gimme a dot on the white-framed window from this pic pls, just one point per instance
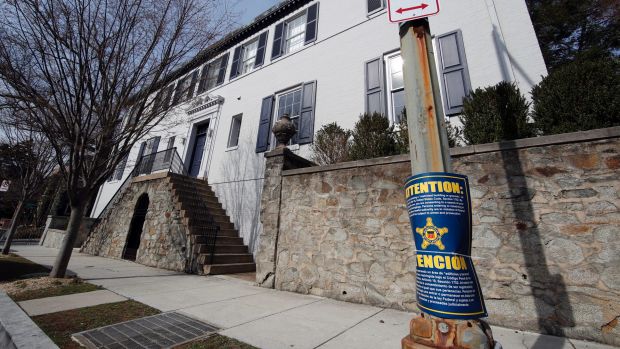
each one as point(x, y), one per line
point(395, 87)
point(289, 102)
point(249, 56)
point(295, 33)
point(235, 129)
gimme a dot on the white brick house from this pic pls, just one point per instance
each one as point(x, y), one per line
point(320, 61)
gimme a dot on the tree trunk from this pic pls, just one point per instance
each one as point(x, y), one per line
point(13, 228)
point(73, 228)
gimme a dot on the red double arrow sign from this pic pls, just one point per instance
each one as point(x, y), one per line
point(419, 7)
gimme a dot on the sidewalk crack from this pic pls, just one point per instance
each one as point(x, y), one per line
point(348, 328)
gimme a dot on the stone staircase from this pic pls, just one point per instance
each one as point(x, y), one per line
point(200, 207)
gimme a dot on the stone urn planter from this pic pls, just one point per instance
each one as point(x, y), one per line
point(284, 129)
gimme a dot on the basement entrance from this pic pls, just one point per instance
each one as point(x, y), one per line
point(135, 228)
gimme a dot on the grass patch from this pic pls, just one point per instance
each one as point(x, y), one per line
point(13, 267)
point(61, 290)
point(216, 341)
point(60, 326)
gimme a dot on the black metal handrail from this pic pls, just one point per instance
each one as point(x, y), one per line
point(167, 160)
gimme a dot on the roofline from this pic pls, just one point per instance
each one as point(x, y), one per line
point(259, 23)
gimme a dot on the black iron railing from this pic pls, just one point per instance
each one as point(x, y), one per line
point(163, 161)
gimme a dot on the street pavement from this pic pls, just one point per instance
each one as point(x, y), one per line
point(262, 317)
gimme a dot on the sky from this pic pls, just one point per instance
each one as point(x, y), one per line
point(252, 8)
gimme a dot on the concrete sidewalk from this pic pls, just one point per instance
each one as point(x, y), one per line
point(266, 318)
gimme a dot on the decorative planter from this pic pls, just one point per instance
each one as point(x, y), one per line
point(284, 129)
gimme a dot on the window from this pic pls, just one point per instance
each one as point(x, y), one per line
point(213, 74)
point(295, 34)
point(375, 5)
point(235, 128)
point(291, 35)
point(249, 56)
point(299, 104)
point(395, 87)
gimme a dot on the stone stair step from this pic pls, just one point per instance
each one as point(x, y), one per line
point(236, 249)
point(197, 225)
point(226, 258)
point(198, 231)
point(229, 268)
point(220, 240)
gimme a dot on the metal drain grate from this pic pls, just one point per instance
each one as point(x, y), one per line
point(154, 332)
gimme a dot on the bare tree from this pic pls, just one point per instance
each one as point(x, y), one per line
point(86, 72)
point(31, 160)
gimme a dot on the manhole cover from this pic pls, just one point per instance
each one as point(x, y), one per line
point(159, 331)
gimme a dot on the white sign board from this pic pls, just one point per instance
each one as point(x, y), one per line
point(406, 10)
point(5, 185)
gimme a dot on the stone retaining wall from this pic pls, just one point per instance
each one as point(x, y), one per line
point(546, 232)
point(164, 239)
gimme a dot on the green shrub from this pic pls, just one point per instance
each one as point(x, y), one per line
point(373, 137)
point(455, 134)
point(581, 95)
point(331, 145)
point(495, 113)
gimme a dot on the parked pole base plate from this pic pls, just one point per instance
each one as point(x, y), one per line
point(427, 332)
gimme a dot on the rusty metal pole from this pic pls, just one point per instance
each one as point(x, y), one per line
point(429, 151)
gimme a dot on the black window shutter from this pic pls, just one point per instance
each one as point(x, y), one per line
point(222, 74)
point(155, 145)
point(278, 36)
point(120, 169)
point(192, 85)
point(168, 96)
point(374, 5)
point(178, 91)
point(311, 24)
point(234, 71)
point(202, 86)
point(305, 133)
point(374, 86)
point(264, 125)
point(260, 52)
point(453, 71)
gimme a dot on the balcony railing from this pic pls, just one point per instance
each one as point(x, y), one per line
point(164, 161)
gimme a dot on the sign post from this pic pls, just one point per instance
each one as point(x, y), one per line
point(438, 203)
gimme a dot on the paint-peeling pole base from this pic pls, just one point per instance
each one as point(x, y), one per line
point(429, 153)
point(430, 332)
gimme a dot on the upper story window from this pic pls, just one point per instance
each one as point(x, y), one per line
point(375, 5)
point(235, 129)
point(185, 88)
point(295, 34)
point(292, 34)
point(249, 56)
point(213, 74)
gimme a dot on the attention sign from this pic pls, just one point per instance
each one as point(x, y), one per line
point(439, 207)
point(406, 10)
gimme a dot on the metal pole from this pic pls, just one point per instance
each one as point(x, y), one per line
point(428, 141)
point(429, 151)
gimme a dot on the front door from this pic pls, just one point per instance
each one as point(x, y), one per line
point(198, 150)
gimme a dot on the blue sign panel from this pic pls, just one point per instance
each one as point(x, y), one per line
point(439, 206)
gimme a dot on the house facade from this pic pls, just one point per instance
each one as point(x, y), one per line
point(320, 62)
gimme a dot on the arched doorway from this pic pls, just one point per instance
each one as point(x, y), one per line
point(135, 228)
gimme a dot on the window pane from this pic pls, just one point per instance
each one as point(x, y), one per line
point(398, 102)
point(374, 102)
point(396, 71)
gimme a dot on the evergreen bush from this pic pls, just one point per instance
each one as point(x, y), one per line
point(331, 145)
point(495, 113)
point(581, 95)
point(373, 137)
